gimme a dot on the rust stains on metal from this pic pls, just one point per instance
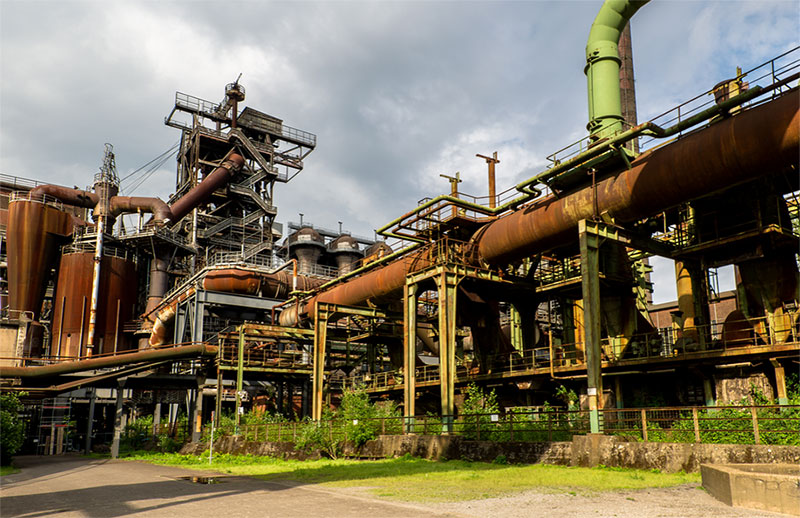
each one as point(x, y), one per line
point(728, 152)
point(76, 197)
point(201, 192)
point(127, 204)
point(153, 355)
point(274, 285)
point(75, 285)
point(35, 230)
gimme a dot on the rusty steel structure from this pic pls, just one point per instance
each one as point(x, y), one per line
point(544, 284)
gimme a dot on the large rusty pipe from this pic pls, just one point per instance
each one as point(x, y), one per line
point(731, 151)
point(277, 284)
point(127, 204)
point(740, 148)
point(108, 361)
point(201, 192)
point(376, 285)
point(76, 197)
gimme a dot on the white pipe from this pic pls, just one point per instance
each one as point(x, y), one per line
point(98, 258)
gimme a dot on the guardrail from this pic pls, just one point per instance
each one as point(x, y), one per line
point(755, 424)
point(756, 335)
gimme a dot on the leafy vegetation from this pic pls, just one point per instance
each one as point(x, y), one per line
point(139, 435)
point(8, 470)
point(731, 424)
point(357, 420)
point(12, 429)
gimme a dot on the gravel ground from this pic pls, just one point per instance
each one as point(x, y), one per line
point(675, 502)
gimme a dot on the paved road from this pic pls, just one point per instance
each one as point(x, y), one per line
point(75, 487)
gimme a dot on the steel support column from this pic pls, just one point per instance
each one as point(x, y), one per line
point(515, 330)
point(590, 273)
point(409, 355)
point(708, 392)
point(780, 382)
point(446, 284)
point(90, 421)
point(321, 315)
point(197, 413)
point(119, 419)
point(239, 376)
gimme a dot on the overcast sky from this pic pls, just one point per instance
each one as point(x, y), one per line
point(396, 92)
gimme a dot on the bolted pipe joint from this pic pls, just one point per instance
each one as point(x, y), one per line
point(602, 66)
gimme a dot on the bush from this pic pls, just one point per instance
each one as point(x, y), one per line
point(318, 436)
point(12, 429)
point(476, 413)
point(357, 419)
point(362, 418)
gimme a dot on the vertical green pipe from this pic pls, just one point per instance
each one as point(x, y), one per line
point(602, 66)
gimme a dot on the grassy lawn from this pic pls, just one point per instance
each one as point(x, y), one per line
point(412, 479)
point(8, 470)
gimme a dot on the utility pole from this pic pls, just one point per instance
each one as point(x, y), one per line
point(454, 181)
point(491, 160)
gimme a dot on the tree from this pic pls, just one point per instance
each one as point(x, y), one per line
point(12, 431)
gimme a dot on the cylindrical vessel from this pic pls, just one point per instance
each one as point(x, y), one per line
point(72, 303)
point(307, 245)
point(35, 231)
point(346, 251)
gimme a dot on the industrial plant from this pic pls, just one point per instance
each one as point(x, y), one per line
point(204, 304)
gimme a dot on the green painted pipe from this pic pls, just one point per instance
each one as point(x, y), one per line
point(602, 66)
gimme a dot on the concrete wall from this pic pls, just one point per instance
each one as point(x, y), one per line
point(590, 450)
point(774, 487)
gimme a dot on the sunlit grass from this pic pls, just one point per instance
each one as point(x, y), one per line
point(8, 470)
point(412, 479)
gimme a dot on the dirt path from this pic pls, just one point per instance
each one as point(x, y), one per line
point(675, 502)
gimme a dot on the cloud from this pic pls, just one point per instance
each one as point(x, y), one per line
point(397, 92)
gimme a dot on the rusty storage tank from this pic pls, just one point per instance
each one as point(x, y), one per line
point(72, 302)
point(36, 228)
point(346, 252)
point(307, 245)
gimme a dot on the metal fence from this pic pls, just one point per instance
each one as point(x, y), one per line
point(759, 424)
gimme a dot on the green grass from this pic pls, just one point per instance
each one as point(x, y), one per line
point(411, 479)
point(8, 470)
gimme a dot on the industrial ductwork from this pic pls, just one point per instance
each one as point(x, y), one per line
point(603, 64)
point(731, 151)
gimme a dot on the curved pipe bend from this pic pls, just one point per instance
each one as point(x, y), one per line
point(602, 66)
point(67, 195)
point(127, 204)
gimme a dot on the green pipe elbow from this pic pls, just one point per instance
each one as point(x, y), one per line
point(602, 66)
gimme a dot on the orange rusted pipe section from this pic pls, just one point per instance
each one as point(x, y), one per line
point(201, 192)
point(230, 280)
point(126, 204)
point(377, 285)
point(741, 148)
point(76, 197)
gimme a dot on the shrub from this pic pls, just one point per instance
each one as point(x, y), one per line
point(319, 436)
point(476, 413)
point(12, 430)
